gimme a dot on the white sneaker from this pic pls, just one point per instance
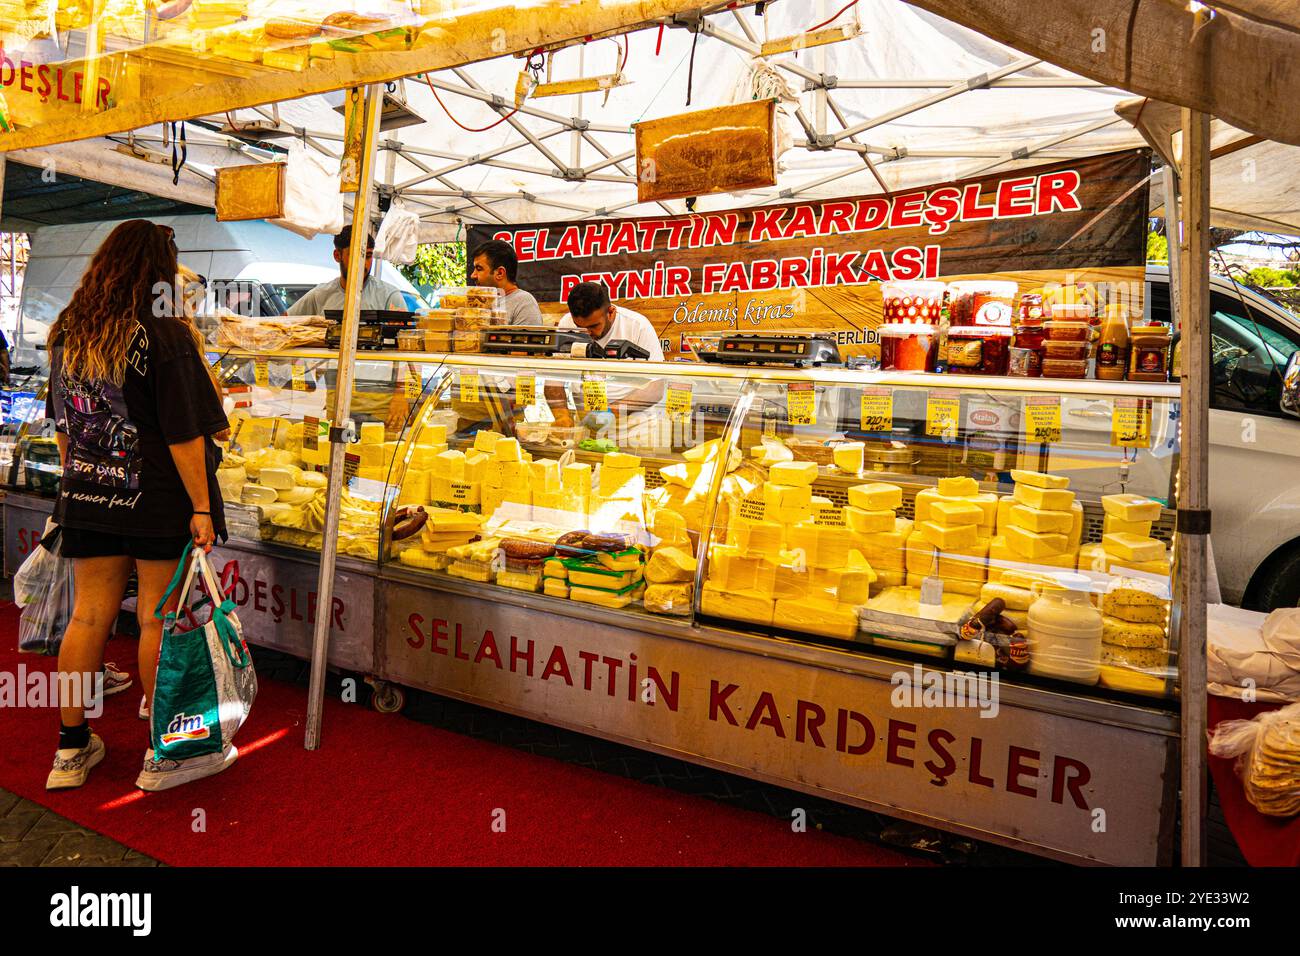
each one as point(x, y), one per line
point(72, 767)
point(165, 774)
point(143, 712)
point(115, 681)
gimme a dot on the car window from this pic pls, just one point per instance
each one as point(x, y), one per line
point(1248, 352)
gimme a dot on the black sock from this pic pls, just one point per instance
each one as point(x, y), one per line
point(74, 738)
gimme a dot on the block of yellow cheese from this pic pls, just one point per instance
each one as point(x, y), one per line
point(576, 478)
point(816, 616)
point(1092, 557)
point(760, 538)
point(668, 528)
point(669, 566)
point(668, 598)
point(684, 474)
point(505, 474)
point(957, 487)
point(371, 455)
point(372, 433)
point(477, 466)
point(987, 502)
point(1076, 529)
point(949, 539)
point(950, 514)
point(876, 496)
point(822, 546)
point(884, 549)
point(1039, 479)
point(600, 597)
point(862, 521)
point(848, 456)
point(433, 435)
point(1112, 524)
point(1028, 544)
point(1015, 598)
point(921, 557)
point(1039, 521)
point(1005, 504)
point(555, 587)
point(886, 579)
point(450, 465)
point(748, 606)
point(485, 440)
point(793, 473)
point(544, 475)
point(965, 564)
point(1130, 547)
point(1131, 507)
point(1045, 499)
point(620, 482)
point(617, 459)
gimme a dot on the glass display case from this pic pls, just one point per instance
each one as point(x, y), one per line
point(1017, 525)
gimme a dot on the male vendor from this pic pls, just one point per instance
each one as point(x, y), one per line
point(591, 311)
point(375, 292)
point(495, 263)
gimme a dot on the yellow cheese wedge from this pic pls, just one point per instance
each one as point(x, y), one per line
point(1092, 557)
point(668, 528)
point(793, 473)
point(876, 496)
point(729, 569)
point(949, 539)
point(1045, 499)
point(504, 449)
point(314, 479)
point(849, 456)
point(987, 502)
point(1041, 522)
point(544, 475)
point(1016, 599)
point(921, 504)
point(788, 497)
point(1138, 591)
point(862, 521)
point(1003, 520)
point(853, 585)
point(1027, 544)
point(434, 435)
point(921, 557)
point(576, 477)
point(957, 487)
point(949, 514)
point(1039, 479)
point(968, 564)
point(485, 440)
point(814, 616)
point(669, 566)
point(668, 598)
point(745, 606)
point(703, 451)
point(372, 433)
point(450, 465)
point(684, 474)
point(1076, 529)
point(555, 587)
point(1135, 613)
point(1131, 507)
point(1024, 579)
point(617, 459)
point(789, 581)
point(1132, 548)
point(1111, 524)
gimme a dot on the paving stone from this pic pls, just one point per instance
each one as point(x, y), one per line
point(25, 852)
point(52, 825)
point(16, 826)
point(85, 849)
point(7, 802)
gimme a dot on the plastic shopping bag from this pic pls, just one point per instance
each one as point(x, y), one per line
point(1266, 749)
point(312, 201)
point(44, 589)
point(399, 235)
point(206, 683)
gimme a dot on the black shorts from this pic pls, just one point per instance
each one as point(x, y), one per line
point(80, 543)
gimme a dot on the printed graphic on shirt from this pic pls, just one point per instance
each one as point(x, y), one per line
point(103, 444)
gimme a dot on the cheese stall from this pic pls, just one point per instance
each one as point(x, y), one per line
point(948, 590)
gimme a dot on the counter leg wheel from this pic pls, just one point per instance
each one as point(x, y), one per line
point(387, 698)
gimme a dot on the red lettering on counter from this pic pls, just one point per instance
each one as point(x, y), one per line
point(1075, 782)
point(842, 733)
point(438, 637)
point(765, 713)
point(808, 718)
point(487, 650)
point(1017, 768)
point(557, 665)
point(525, 655)
point(458, 655)
point(896, 740)
point(718, 702)
point(976, 749)
point(413, 622)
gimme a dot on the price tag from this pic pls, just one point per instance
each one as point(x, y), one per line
point(351, 463)
point(262, 372)
point(526, 390)
point(801, 403)
point(942, 413)
point(1042, 418)
point(678, 401)
point(414, 382)
point(1130, 423)
point(464, 492)
point(752, 509)
point(310, 433)
point(298, 375)
point(594, 397)
point(469, 387)
point(239, 423)
point(877, 409)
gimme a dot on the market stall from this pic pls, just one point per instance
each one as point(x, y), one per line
point(718, 603)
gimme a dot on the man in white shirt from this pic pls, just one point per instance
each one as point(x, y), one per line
point(495, 263)
point(375, 292)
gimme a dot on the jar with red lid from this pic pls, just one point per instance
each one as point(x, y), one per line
point(908, 347)
point(911, 301)
point(1026, 358)
point(981, 302)
point(979, 349)
point(1032, 310)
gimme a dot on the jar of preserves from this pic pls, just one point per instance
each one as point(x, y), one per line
point(979, 349)
point(1027, 350)
point(1149, 353)
point(981, 302)
point(911, 301)
point(908, 347)
point(1032, 310)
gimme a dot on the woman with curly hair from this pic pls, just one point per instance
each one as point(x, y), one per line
point(135, 410)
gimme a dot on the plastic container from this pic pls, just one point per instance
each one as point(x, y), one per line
point(908, 347)
point(1065, 630)
point(981, 302)
point(1067, 331)
point(1149, 353)
point(911, 301)
point(1069, 349)
point(1026, 358)
point(979, 349)
point(1065, 368)
point(1071, 311)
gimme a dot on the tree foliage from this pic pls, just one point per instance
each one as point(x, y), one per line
point(437, 265)
point(1157, 248)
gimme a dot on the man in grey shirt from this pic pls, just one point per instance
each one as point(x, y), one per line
point(494, 263)
point(375, 292)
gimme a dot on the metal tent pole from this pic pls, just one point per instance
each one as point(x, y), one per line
point(1194, 473)
point(342, 411)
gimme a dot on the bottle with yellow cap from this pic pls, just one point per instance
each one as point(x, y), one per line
point(1065, 630)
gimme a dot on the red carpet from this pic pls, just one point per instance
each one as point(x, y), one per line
point(387, 791)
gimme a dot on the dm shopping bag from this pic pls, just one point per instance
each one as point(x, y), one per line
point(206, 682)
point(44, 589)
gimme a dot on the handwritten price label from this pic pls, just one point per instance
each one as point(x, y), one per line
point(678, 402)
point(594, 396)
point(942, 414)
point(351, 464)
point(469, 387)
point(414, 383)
point(1130, 423)
point(262, 372)
point(801, 403)
point(1042, 419)
point(526, 390)
point(311, 433)
point(298, 377)
point(877, 409)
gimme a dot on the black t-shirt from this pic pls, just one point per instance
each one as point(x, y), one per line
point(118, 474)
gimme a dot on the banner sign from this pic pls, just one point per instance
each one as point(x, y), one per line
point(819, 265)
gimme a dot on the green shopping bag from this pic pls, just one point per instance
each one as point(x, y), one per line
point(206, 683)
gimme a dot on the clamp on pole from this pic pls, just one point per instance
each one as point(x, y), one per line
point(344, 434)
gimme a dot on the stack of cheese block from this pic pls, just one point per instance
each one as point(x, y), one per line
point(504, 473)
point(476, 561)
point(906, 602)
point(618, 501)
point(791, 557)
point(1134, 651)
point(670, 580)
point(612, 580)
point(446, 528)
point(679, 504)
point(953, 530)
point(1126, 543)
point(879, 534)
point(1038, 528)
